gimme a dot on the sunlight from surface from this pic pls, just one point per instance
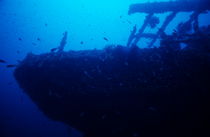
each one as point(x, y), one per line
point(87, 22)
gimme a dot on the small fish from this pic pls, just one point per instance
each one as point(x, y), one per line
point(38, 39)
point(53, 49)
point(11, 66)
point(106, 39)
point(46, 24)
point(81, 42)
point(20, 39)
point(2, 61)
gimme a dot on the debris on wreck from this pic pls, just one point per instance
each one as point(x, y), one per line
point(63, 42)
point(132, 35)
point(154, 21)
point(126, 91)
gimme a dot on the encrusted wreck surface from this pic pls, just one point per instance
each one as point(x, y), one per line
point(121, 91)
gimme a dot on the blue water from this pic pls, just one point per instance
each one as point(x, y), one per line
point(37, 26)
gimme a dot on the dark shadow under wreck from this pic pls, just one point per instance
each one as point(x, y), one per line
point(126, 91)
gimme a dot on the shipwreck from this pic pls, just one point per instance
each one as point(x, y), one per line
point(126, 91)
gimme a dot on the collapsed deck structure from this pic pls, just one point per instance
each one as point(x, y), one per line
point(126, 91)
point(197, 7)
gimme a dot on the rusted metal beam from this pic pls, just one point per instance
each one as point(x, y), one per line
point(163, 27)
point(141, 31)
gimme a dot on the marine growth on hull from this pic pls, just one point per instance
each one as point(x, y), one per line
point(126, 91)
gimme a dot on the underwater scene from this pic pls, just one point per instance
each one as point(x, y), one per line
point(104, 68)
